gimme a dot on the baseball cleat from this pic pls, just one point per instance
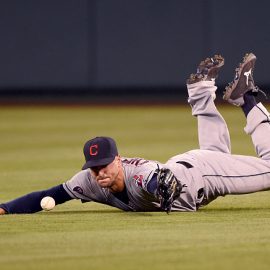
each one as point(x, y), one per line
point(168, 189)
point(242, 82)
point(207, 70)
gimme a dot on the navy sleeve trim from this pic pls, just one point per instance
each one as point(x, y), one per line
point(30, 203)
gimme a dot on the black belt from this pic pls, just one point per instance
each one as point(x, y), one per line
point(186, 164)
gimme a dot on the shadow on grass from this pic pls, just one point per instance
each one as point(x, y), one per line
point(233, 209)
point(105, 211)
point(130, 213)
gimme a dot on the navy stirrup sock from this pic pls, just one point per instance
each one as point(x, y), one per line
point(250, 102)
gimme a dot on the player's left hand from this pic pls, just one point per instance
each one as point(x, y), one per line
point(2, 211)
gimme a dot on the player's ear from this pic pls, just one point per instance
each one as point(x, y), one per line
point(118, 158)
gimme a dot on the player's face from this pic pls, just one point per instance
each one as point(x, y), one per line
point(109, 176)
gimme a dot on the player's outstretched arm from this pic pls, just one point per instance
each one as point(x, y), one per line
point(30, 203)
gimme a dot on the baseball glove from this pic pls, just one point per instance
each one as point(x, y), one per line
point(168, 189)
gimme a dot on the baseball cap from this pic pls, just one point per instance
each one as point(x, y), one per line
point(99, 151)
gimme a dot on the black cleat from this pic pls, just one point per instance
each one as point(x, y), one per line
point(168, 189)
point(207, 70)
point(243, 81)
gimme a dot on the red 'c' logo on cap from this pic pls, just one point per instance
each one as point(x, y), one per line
point(93, 150)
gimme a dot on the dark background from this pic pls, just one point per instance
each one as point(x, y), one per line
point(124, 49)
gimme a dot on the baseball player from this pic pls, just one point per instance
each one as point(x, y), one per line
point(187, 181)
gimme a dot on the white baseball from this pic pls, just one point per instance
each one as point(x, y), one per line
point(47, 203)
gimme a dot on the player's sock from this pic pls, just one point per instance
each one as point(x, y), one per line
point(250, 102)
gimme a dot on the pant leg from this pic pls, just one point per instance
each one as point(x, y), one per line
point(238, 173)
point(224, 174)
point(258, 126)
point(212, 129)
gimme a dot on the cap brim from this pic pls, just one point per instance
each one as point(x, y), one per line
point(95, 163)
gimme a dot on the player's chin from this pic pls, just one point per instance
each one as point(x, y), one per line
point(105, 183)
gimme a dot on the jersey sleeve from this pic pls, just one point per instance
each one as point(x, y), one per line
point(77, 188)
point(84, 187)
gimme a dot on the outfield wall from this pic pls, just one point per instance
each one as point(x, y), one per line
point(117, 47)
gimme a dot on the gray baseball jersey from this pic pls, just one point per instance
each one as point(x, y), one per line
point(205, 173)
point(137, 172)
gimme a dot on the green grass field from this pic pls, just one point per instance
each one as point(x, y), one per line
point(42, 146)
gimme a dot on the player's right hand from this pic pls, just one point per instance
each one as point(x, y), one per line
point(2, 211)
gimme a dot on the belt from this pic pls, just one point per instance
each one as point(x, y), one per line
point(186, 164)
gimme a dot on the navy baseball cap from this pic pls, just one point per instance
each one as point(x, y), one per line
point(99, 151)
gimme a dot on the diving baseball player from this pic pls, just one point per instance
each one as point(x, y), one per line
point(187, 181)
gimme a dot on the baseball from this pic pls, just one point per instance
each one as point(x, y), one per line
point(47, 203)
